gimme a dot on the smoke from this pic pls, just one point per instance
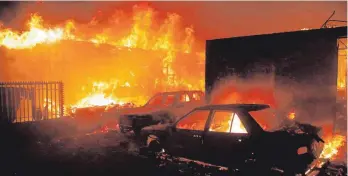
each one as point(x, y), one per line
point(312, 104)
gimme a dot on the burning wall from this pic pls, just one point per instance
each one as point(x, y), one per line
point(132, 55)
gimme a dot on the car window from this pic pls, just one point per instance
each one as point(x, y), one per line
point(226, 122)
point(169, 100)
point(196, 96)
point(221, 121)
point(155, 101)
point(194, 121)
point(184, 98)
point(237, 125)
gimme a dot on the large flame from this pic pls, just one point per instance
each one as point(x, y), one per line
point(98, 97)
point(35, 35)
point(168, 40)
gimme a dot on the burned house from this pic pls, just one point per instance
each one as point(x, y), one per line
point(305, 62)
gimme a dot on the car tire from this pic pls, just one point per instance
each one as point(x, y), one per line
point(153, 147)
point(153, 144)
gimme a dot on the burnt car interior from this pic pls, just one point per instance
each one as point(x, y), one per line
point(222, 121)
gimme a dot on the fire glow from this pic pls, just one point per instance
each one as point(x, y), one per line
point(97, 97)
point(146, 32)
point(140, 35)
point(292, 115)
point(35, 35)
point(332, 146)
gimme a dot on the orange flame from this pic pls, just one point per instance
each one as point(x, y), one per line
point(167, 40)
point(332, 146)
point(139, 37)
point(36, 34)
point(97, 97)
point(51, 107)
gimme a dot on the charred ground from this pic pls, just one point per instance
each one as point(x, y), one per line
point(24, 152)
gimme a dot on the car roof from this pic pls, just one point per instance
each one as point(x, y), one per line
point(247, 107)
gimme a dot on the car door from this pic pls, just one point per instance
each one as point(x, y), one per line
point(187, 136)
point(225, 138)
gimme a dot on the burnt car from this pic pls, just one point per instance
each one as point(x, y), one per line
point(235, 136)
point(163, 107)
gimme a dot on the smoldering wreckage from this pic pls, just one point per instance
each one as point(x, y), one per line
point(244, 124)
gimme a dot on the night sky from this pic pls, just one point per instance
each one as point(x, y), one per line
point(210, 19)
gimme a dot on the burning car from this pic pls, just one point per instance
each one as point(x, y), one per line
point(233, 136)
point(162, 107)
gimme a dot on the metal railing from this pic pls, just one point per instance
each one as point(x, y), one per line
point(31, 101)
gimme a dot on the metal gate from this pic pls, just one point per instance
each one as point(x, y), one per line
point(31, 101)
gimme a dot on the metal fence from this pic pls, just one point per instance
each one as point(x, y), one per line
point(31, 101)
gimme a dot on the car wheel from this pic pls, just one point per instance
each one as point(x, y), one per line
point(153, 144)
point(155, 147)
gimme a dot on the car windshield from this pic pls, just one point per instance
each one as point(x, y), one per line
point(267, 119)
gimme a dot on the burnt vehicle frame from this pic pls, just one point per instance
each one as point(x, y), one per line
point(161, 113)
point(256, 150)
